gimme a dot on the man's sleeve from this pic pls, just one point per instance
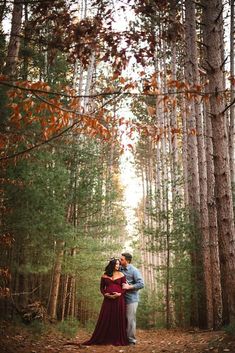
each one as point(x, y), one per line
point(139, 282)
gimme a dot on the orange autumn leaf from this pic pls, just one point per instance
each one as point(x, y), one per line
point(130, 146)
point(130, 85)
point(116, 74)
point(151, 110)
point(122, 80)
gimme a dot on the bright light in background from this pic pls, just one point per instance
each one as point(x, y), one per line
point(132, 195)
point(130, 181)
point(122, 15)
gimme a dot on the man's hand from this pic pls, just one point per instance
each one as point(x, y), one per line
point(127, 286)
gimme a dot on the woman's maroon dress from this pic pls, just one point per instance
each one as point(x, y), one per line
point(111, 324)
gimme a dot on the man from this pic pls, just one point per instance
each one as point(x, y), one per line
point(134, 283)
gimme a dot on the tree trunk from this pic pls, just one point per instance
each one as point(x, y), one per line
point(64, 296)
point(193, 172)
point(185, 152)
point(89, 82)
point(2, 10)
point(14, 44)
point(53, 298)
point(202, 170)
point(232, 112)
point(26, 43)
point(213, 227)
point(168, 254)
point(212, 18)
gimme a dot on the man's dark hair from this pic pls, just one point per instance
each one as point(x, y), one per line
point(127, 256)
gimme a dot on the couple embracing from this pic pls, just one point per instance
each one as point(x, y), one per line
point(119, 285)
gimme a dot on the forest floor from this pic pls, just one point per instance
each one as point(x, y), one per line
point(18, 339)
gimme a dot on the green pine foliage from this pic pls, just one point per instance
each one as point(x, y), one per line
point(38, 193)
point(150, 312)
point(68, 328)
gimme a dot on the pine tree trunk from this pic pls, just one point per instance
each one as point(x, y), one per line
point(53, 298)
point(202, 170)
point(185, 152)
point(142, 223)
point(173, 115)
point(168, 253)
point(64, 296)
point(212, 19)
point(14, 44)
point(213, 226)
point(2, 10)
point(199, 303)
point(89, 81)
point(232, 111)
point(26, 43)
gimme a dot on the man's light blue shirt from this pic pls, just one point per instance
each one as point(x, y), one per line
point(134, 278)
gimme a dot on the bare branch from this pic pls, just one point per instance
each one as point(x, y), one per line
point(11, 156)
point(8, 84)
point(201, 43)
point(224, 62)
point(114, 93)
point(220, 13)
point(24, 293)
point(229, 106)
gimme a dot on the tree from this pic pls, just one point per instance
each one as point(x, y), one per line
point(212, 19)
point(14, 43)
point(231, 125)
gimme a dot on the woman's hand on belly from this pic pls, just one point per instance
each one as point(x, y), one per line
point(112, 295)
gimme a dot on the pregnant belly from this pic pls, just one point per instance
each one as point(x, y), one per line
point(113, 288)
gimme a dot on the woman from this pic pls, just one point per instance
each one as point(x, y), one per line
point(111, 324)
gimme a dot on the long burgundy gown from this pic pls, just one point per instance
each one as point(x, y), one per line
point(111, 324)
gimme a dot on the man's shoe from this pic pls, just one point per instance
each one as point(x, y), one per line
point(131, 343)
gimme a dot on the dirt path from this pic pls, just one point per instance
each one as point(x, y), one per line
point(18, 340)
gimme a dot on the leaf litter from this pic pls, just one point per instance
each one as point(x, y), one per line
point(19, 339)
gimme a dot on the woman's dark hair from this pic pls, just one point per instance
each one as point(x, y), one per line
point(110, 267)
